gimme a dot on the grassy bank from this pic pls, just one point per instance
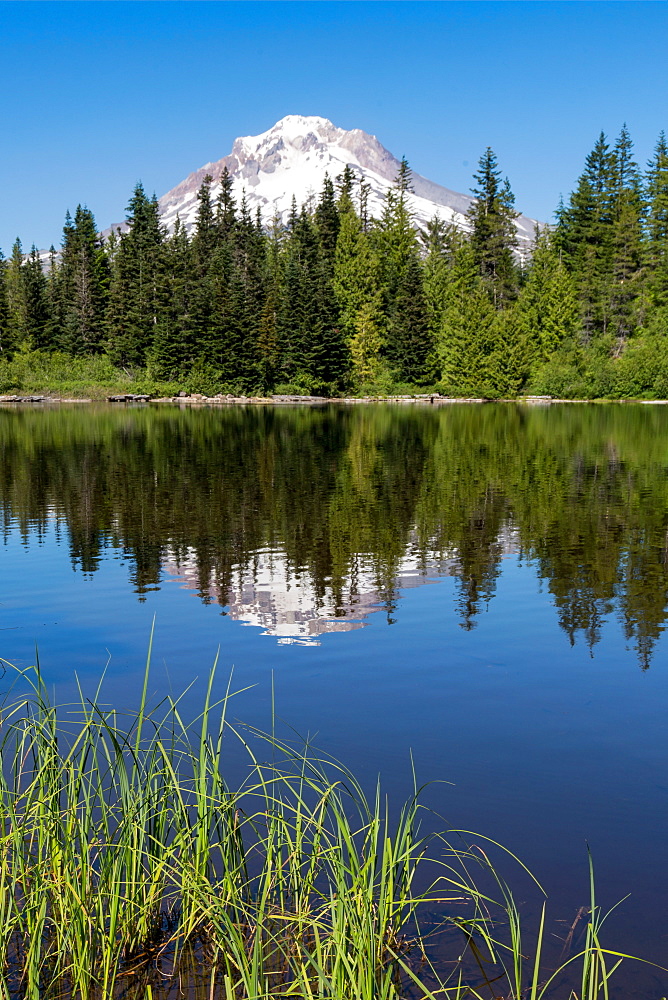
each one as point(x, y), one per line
point(128, 867)
point(89, 377)
point(96, 377)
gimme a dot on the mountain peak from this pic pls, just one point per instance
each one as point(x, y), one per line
point(293, 157)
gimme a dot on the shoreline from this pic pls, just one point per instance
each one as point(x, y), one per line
point(199, 399)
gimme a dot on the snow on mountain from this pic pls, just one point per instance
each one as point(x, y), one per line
point(292, 159)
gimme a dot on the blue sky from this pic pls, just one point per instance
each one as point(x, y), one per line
point(97, 95)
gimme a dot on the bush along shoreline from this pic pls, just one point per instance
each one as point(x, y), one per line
point(331, 302)
point(128, 866)
point(41, 376)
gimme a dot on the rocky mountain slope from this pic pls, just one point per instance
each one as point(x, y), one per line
point(292, 158)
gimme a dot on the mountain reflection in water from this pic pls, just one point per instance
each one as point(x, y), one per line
point(303, 521)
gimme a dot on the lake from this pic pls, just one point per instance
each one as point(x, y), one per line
point(479, 589)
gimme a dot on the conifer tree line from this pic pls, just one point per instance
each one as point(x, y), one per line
point(335, 301)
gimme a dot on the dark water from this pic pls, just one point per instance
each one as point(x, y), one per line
point(483, 586)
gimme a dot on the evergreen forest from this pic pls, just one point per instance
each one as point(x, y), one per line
point(333, 301)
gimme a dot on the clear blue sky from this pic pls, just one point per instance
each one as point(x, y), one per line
point(97, 95)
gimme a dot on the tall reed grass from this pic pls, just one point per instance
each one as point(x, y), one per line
point(129, 868)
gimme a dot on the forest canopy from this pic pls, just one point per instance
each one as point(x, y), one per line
point(334, 301)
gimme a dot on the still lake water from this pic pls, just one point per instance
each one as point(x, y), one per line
point(485, 587)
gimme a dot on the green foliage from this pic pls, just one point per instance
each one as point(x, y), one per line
point(493, 235)
point(335, 300)
point(366, 346)
point(122, 841)
point(206, 378)
point(466, 339)
point(407, 342)
point(56, 373)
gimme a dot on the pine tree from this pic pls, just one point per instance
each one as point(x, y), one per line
point(53, 324)
point(627, 271)
point(327, 222)
point(657, 233)
point(408, 344)
point(466, 339)
point(172, 352)
point(584, 235)
point(136, 284)
point(547, 311)
point(4, 310)
point(204, 245)
point(225, 206)
point(329, 357)
point(493, 233)
point(36, 302)
point(17, 315)
point(350, 276)
point(440, 241)
point(300, 321)
point(268, 341)
point(346, 184)
point(366, 345)
point(250, 274)
point(80, 282)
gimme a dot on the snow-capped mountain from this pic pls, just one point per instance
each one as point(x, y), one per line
point(292, 159)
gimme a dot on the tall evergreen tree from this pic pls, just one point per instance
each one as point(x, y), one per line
point(205, 243)
point(584, 234)
point(547, 311)
point(226, 205)
point(440, 242)
point(268, 339)
point(408, 345)
point(493, 234)
point(36, 302)
point(18, 333)
point(81, 280)
point(329, 357)
point(172, 352)
point(466, 340)
point(627, 271)
point(4, 309)
point(136, 285)
point(657, 232)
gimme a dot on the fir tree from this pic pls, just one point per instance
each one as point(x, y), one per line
point(4, 309)
point(172, 352)
point(136, 284)
point(466, 339)
point(407, 341)
point(81, 284)
point(440, 241)
point(346, 185)
point(366, 345)
point(350, 275)
point(268, 341)
point(584, 234)
point(18, 333)
point(627, 272)
point(226, 205)
point(204, 245)
point(327, 222)
point(546, 312)
point(657, 232)
point(493, 233)
point(36, 302)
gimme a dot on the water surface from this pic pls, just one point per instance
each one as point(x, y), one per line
point(484, 587)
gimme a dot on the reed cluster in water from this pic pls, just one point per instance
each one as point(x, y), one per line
point(129, 868)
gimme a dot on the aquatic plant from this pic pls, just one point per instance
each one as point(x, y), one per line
point(129, 867)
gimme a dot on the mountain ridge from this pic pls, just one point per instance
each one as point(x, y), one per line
point(293, 157)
